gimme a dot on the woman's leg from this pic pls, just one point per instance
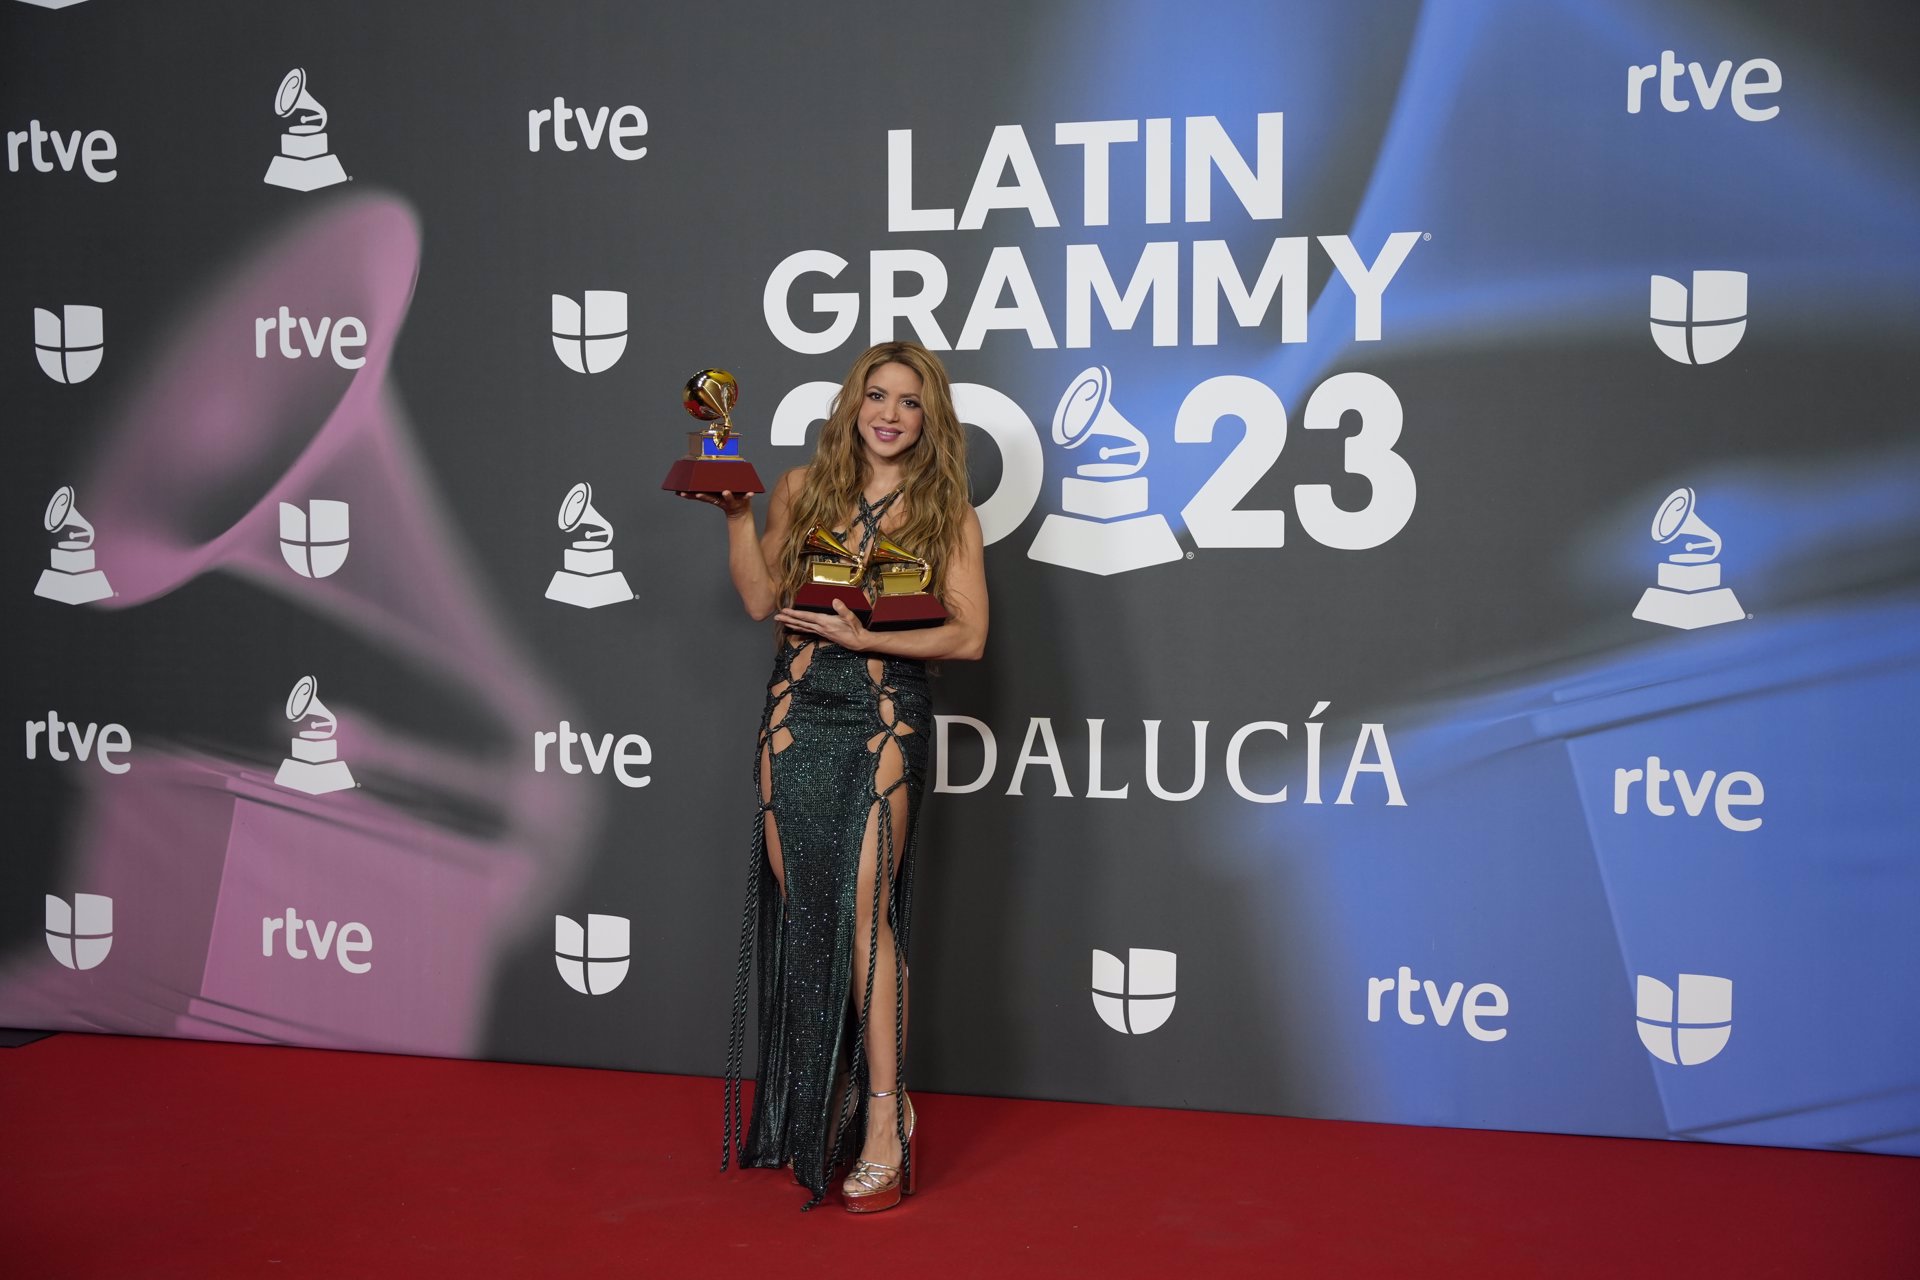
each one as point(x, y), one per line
point(776, 739)
point(879, 979)
point(774, 860)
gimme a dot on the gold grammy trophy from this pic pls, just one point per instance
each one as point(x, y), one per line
point(833, 573)
point(899, 581)
point(713, 463)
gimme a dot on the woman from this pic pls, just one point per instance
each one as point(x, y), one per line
point(839, 773)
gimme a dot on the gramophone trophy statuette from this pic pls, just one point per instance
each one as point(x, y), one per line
point(833, 573)
point(1689, 594)
point(713, 463)
point(304, 163)
point(899, 581)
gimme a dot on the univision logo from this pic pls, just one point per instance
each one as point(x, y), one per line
point(1134, 997)
point(590, 336)
point(80, 933)
point(69, 345)
point(313, 540)
point(1702, 326)
point(593, 960)
point(1690, 1028)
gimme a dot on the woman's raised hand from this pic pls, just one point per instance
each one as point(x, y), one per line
point(734, 504)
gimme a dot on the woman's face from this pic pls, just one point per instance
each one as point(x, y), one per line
point(889, 417)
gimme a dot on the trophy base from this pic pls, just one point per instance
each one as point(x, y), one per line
point(1105, 547)
point(305, 175)
point(713, 475)
point(314, 779)
point(906, 611)
point(1688, 610)
point(72, 588)
point(589, 591)
point(818, 597)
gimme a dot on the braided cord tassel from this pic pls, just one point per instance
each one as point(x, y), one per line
point(733, 1126)
point(899, 966)
point(731, 1123)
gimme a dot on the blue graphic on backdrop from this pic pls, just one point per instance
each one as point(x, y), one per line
point(1735, 810)
point(1596, 861)
point(1532, 238)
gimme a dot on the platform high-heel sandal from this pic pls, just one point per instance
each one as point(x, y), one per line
point(873, 1186)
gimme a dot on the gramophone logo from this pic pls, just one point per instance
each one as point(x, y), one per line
point(314, 765)
point(72, 577)
point(1106, 528)
point(590, 336)
point(80, 933)
point(593, 960)
point(1690, 1028)
point(69, 345)
point(304, 164)
point(54, 4)
point(1703, 325)
point(1689, 593)
point(587, 577)
point(1134, 997)
point(313, 540)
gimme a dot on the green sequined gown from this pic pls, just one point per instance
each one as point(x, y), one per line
point(825, 788)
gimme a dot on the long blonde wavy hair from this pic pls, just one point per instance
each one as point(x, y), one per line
point(934, 491)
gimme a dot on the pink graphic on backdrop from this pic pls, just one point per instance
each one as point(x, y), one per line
point(196, 850)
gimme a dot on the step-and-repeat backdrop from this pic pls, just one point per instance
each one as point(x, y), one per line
point(1449, 472)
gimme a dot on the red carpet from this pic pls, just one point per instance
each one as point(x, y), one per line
point(148, 1158)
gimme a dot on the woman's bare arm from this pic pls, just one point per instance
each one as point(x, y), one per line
point(751, 556)
point(962, 637)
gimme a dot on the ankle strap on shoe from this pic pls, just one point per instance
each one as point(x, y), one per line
point(885, 1093)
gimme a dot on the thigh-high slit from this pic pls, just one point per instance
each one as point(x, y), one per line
point(842, 738)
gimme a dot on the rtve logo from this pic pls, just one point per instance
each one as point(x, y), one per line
point(1689, 1031)
point(69, 345)
point(627, 123)
point(1737, 789)
point(1756, 78)
point(80, 934)
point(313, 540)
point(630, 750)
point(1704, 326)
point(111, 740)
point(590, 338)
point(1483, 1000)
point(344, 940)
point(347, 332)
point(89, 151)
point(593, 960)
point(1135, 997)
